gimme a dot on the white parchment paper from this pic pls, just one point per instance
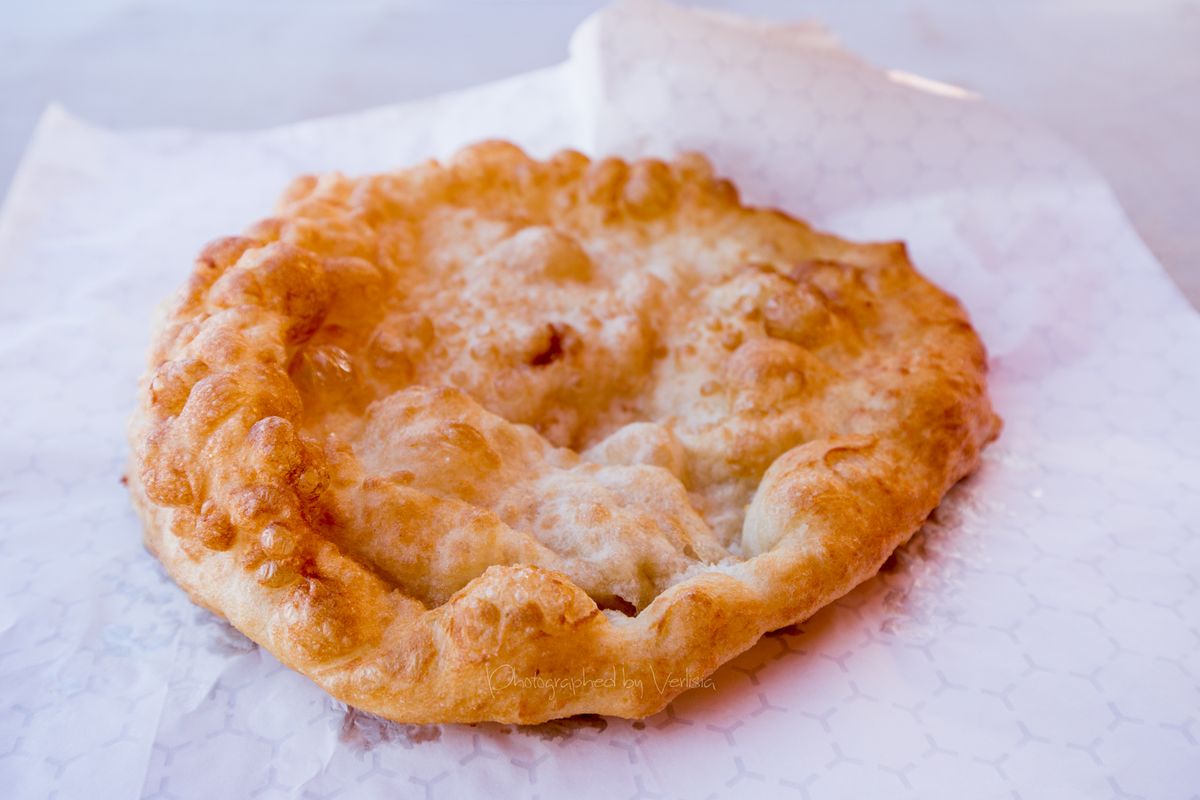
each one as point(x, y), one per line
point(1039, 638)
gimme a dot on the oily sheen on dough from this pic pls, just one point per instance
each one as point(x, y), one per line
point(461, 442)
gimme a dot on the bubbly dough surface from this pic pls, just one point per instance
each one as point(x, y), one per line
point(593, 389)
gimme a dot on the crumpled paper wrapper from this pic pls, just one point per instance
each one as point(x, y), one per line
point(1038, 638)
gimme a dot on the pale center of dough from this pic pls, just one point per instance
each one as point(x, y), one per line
point(602, 407)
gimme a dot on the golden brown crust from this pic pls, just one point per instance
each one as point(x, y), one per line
point(501, 439)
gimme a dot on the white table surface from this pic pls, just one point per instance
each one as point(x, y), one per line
point(1119, 80)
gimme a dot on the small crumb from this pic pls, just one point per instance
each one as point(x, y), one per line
point(565, 728)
